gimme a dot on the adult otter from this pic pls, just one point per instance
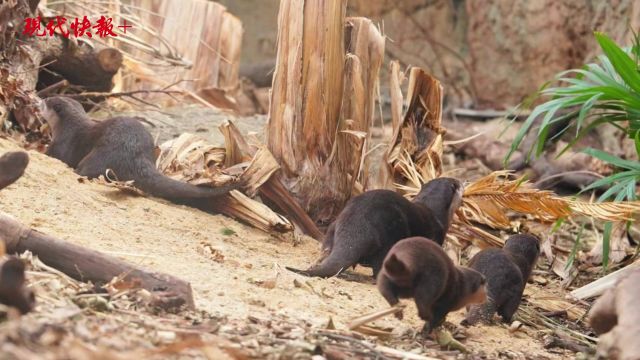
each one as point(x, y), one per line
point(371, 223)
point(121, 144)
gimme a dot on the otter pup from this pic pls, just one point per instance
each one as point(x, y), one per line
point(418, 268)
point(12, 286)
point(12, 166)
point(507, 271)
point(121, 144)
point(371, 223)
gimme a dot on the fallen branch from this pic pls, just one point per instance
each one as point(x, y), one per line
point(277, 194)
point(367, 318)
point(121, 94)
point(89, 265)
point(489, 114)
point(603, 284)
point(402, 354)
point(258, 215)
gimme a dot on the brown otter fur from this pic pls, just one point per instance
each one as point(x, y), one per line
point(12, 166)
point(121, 144)
point(418, 268)
point(13, 291)
point(507, 271)
point(371, 223)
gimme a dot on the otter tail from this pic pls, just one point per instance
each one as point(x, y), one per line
point(151, 181)
point(330, 266)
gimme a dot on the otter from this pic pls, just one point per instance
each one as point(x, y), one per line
point(418, 268)
point(507, 271)
point(12, 166)
point(13, 291)
point(371, 223)
point(121, 144)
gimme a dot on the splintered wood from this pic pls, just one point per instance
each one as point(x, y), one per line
point(365, 53)
point(415, 153)
point(203, 32)
point(265, 178)
point(322, 102)
point(395, 83)
point(189, 158)
point(307, 84)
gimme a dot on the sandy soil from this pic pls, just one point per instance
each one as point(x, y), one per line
point(227, 272)
point(173, 121)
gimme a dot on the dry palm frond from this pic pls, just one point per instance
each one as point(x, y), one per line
point(607, 211)
point(414, 157)
point(551, 303)
point(495, 199)
point(489, 200)
point(530, 316)
point(188, 158)
point(262, 167)
point(411, 174)
point(238, 150)
point(238, 205)
point(462, 232)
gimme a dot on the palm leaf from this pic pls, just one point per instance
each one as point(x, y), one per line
point(492, 200)
point(497, 199)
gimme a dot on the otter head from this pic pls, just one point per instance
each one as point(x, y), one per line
point(525, 244)
point(443, 196)
point(13, 291)
point(60, 111)
point(474, 288)
point(525, 249)
point(398, 271)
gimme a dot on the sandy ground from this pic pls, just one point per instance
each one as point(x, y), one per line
point(169, 123)
point(180, 241)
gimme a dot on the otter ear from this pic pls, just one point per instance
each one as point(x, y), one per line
point(12, 272)
point(395, 267)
